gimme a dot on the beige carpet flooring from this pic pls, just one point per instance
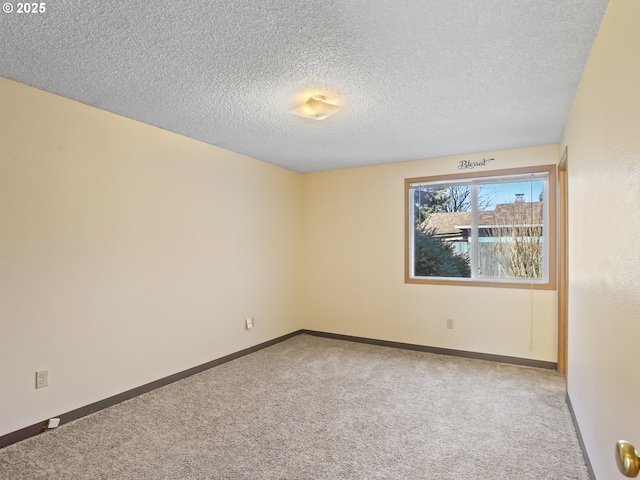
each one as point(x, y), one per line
point(316, 408)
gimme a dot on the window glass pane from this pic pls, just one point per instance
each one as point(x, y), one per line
point(442, 221)
point(488, 228)
point(510, 222)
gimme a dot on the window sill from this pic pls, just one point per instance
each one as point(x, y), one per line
point(480, 283)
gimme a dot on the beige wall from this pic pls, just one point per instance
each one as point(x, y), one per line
point(128, 253)
point(603, 139)
point(354, 269)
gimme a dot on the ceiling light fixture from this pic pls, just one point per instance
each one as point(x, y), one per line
point(316, 108)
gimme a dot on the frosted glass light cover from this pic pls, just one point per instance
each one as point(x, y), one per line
point(316, 108)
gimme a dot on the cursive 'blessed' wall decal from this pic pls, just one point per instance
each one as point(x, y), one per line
point(469, 164)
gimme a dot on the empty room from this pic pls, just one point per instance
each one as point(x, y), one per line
point(319, 240)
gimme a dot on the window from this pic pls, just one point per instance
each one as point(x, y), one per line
point(494, 228)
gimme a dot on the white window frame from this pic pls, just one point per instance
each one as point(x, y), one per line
point(547, 173)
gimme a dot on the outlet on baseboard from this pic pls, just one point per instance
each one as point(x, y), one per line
point(450, 323)
point(53, 423)
point(249, 323)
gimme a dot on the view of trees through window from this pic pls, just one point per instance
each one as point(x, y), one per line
point(481, 229)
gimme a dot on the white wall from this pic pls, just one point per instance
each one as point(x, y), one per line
point(128, 253)
point(603, 139)
point(354, 270)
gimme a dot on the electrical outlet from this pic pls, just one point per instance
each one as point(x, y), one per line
point(450, 323)
point(249, 323)
point(42, 378)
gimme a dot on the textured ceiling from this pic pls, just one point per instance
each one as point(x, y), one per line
point(416, 78)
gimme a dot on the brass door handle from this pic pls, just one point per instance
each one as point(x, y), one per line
point(627, 459)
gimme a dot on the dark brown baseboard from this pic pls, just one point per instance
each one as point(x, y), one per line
point(32, 430)
point(587, 461)
point(35, 429)
point(23, 434)
point(441, 351)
